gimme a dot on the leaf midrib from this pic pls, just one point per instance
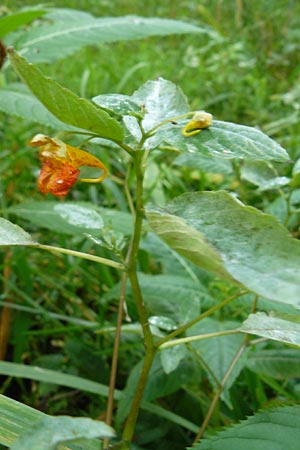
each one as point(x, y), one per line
point(88, 27)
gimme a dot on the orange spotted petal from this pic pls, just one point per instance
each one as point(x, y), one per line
point(57, 178)
point(79, 158)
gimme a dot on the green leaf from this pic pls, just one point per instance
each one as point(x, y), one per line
point(11, 234)
point(171, 262)
point(14, 21)
point(16, 419)
point(283, 328)
point(65, 104)
point(220, 234)
point(69, 218)
point(280, 363)
point(70, 30)
point(205, 163)
point(273, 429)
point(51, 431)
point(218, 352)
point(263, 175)
point(186, 240)
point(73, 218)
point(161, 100)
point(225, 140)
point(117, 103)
point(17, 100)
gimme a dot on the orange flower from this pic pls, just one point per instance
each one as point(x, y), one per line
point(200, 120)
point(61, 163)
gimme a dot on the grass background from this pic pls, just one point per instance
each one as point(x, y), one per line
point(248, 74)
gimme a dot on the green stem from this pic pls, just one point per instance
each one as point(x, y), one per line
point(150, 349)
point(219, 391)
point(98, 259)
point(225, 379)
point(199, 318)
point(199, 337)
point(171, 119)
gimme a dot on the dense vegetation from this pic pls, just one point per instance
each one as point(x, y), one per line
point(235, 272)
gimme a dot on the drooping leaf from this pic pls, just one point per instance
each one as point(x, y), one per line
point(65, 104)
point(186, 240)
point(272, 429)
point(283, 328)
point(69, 30)
point(17, 100)
point(223, 139)
point(280, 363)
point(221, 235)
point(11, 234)
point(49, 432)
point(14, 21)
point(73, 218)
point(172, 263)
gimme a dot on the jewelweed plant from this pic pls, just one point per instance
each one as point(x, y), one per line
point(195, 239)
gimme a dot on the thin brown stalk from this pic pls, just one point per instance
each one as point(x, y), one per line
point(6, 312)
point(114, 365)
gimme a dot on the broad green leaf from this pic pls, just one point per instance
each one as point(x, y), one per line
point(218, 352)
point(71, 30)
point(69, 218)
point(223, 139)
point(16, 419)
point(205, 163)
point(17, 100)
point(186, 240)
point(14, 21)
point(240, 240)
point(161, 100)
point(11, 234)
point(273, 429)
point(74, 382)
point(65, 104)
point(280, 363)
point(283, 328)
point(263, 175)
point(171, 262)
point(49, 432)
point(73, 218)
point(117, 103)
